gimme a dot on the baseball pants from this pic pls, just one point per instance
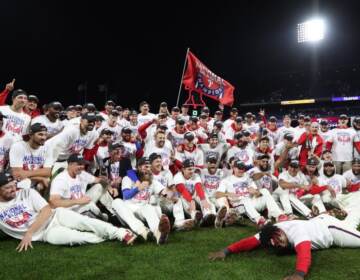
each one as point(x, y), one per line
point(342, 201)
point(205, 212)
point(314, 200)
point(289, 201)
point(134, 213)
point(70, 228)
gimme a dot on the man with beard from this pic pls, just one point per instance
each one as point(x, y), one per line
point(321, 232)
point(74, 139)
point(190, 187)
point(241, 151)
point(31, 159)
point(132, 149)
point(211, 177)
point(133, 122)
point(337, 183)
point(169, 200)
point(214, 148)
point(135, 208)
point(353, 176)
point(51, 119)
point(342, 143)
point(17, 122)
point(243, 195)
point(162, 147)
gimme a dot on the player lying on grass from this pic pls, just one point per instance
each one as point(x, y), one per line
point(321, 232)
point(25, 215)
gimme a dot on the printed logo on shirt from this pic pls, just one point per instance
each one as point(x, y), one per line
point(242, 155)
point(77, 146)
point(143, 195)
point(14, 124)
point(190, 187)
point(241, 188)
point(266, 183)
point(76, 192)
point(335, 184)
point(343, 137)
point(31, 162)
point(114, 171)
point(211, 182)
point(15, 216)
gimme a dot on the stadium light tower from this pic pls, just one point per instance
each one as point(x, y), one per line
point(311, 31)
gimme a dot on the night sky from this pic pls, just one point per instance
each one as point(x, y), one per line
point(138, 49)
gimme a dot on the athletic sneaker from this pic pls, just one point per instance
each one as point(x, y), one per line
point(164, 229)
point(129, 238)
point(186, 225)
point(220, 217)
point(208, 220)
point(262, 222)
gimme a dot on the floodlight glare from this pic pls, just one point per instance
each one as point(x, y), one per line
point(311, 31)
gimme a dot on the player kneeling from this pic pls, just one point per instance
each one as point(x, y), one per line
point(25, 215)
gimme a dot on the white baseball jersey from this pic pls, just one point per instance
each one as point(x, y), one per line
point(164, 151)
point(170, 123)
point(343, 143)
point(218, 151)
point(351, 177)
point(356, 139)
point(18, 214)
point(245, 155)
point(265, 182)
point(6, 140)
point(325, 136)
point(23, 156)
point(143, 196)
point(115, 129)
point(196, 155)
point(298, 179)
point(253, 128)
point(71, 188)
point(293, 153)
point(145, 118)
point(227, 124)
point(313, 230)
point(284, 130)
point(176, 138)
point(237, 185)
point(189, 183)
point(52, 127)
point(298, 132)
point(16, 124)
point(71, 141)
point(164, 177)
point(211, 182)
point(337, 182)
point(123, 122)
point(130, 152)
point(134, 128)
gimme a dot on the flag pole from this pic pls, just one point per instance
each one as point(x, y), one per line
point(182, 76)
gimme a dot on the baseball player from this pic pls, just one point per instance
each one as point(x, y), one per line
point(169, 200)
point(135, 206)
point(31, 159)
point(241, 150)
point(189, 185)
point(352, 176)
point(302, 236)
point(245, 198)
point(25, 215)
point(68, 189)
point(6, 140)
point(51, 119)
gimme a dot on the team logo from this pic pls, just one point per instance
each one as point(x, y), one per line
point(210, 84)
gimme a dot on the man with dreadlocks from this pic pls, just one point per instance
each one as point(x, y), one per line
point(302, 236)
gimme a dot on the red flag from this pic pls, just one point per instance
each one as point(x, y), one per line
point(202, 80)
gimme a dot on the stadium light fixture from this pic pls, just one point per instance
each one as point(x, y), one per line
point(311, 31)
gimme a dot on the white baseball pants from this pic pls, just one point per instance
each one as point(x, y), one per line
point(70, 228)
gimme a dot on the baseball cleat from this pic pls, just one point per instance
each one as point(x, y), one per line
point(220, 217)
point(186, 225)
point(262, 222)
point(164, 229)
point(208, 220)
point(197, 217)
point(129, 238)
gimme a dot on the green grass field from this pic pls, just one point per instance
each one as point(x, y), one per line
point(184, 257)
